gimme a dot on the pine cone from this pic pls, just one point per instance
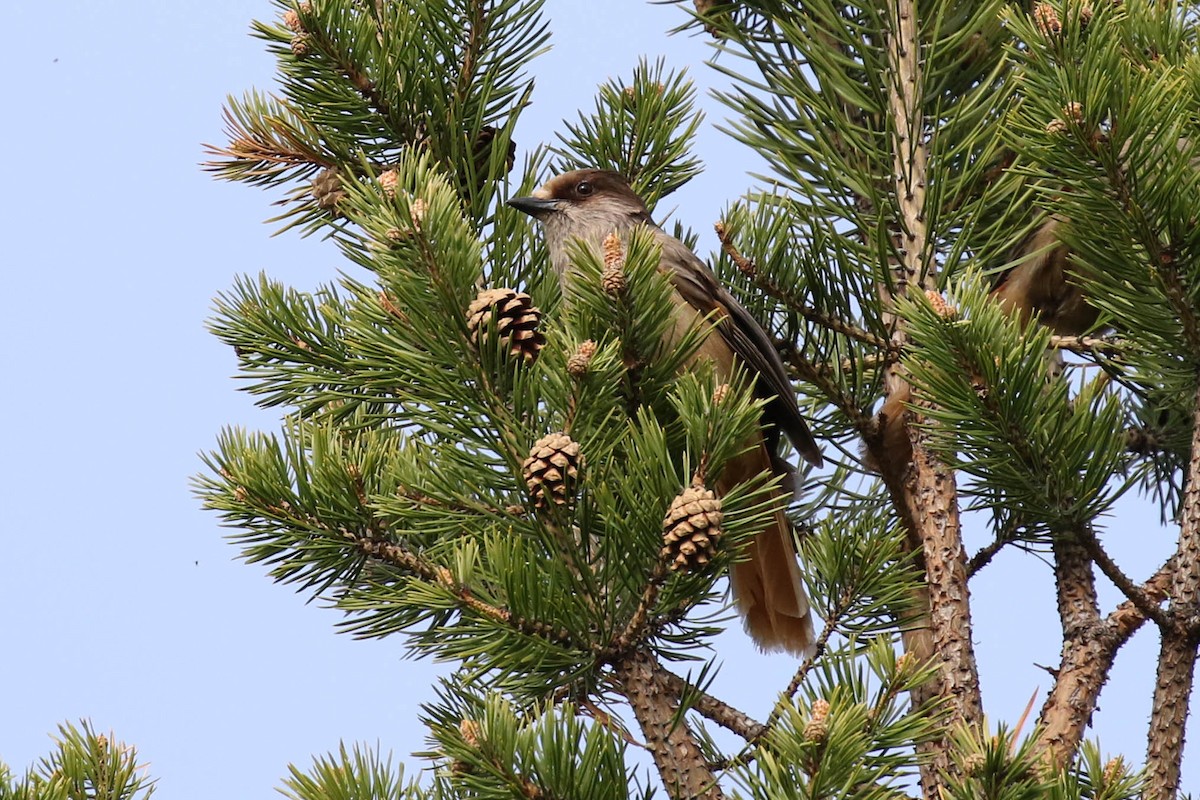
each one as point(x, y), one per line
point(612, 279)
point(327, 189)
point(515, 318)
point(817, 728)
point(388, 181)
point(301, 45)
point(692, 528)
point(581, 359)
point(482, 150)
point(552, 469)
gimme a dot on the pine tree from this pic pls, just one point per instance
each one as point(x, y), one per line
point(487, 467)
point(84, 765)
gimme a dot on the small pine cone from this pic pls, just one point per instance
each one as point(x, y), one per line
point(482, 149)
point(577, 364)
point(1046, 19)
point(327, 189)
point(1073, 111)
point(817, 727)
point(613, 276)
point(301, 45)
point(416, 211)
point(973, 764)
point(515, 317)
point(471, 732)
point(940, 306)
point(692, 529)
point(292, 20)
point(388, 181)
point(1086, 14)
point(1114, 770)
point(1056, 127)
point(552, 469)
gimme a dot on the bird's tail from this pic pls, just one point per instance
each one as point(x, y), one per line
point(766, 585)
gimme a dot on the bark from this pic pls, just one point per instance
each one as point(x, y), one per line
point(1086, 653)
point(685, 773)
point(924, 493)
point(1089, 649)
point(1177, 654)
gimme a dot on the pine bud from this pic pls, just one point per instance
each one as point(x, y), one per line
point(940, 306)
point(292, 20)
point(416, 211)
point(1056, 127)
point(1114, 770)
point(387, 183)
point(1086, 14)
point(471, 732)
point(974, 764)
point(612, 279)
point(720, 393)
point(1073, 112)
point(817, 728)
point(577, 364)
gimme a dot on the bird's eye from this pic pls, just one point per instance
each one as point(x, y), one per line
point(584, 189)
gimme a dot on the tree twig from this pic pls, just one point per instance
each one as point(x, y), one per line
point(1146, 604)
point(750, 269)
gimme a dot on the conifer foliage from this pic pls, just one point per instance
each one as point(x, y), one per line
point(516, 479)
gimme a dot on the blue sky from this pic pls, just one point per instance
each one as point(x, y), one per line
point(119, 600)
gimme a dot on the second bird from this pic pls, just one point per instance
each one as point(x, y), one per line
point(590, 204)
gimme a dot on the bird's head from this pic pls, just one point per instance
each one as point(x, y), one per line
point(580, 194)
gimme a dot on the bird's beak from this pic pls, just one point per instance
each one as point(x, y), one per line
point(534, 206)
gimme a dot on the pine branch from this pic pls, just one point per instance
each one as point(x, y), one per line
point(676, 753)
point(715, 710)
point(815, 316)
point(1178, 654)
point(1096, 345)
point(637, 629)
point(399, 556)
point(1084, 668)
point(1137, 595)
point(827, 387)
point(985, 554)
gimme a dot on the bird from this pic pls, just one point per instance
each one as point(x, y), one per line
point(1040, 284)
point(589, 204)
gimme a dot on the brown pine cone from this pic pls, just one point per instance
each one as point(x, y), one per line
point(327, 189)
point(552, 469)
point(482, 152)
point(692, 529)
point(515, 319)
point(581, 359)
point(612, 279)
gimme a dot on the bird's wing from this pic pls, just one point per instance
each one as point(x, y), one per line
point(753, 346)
